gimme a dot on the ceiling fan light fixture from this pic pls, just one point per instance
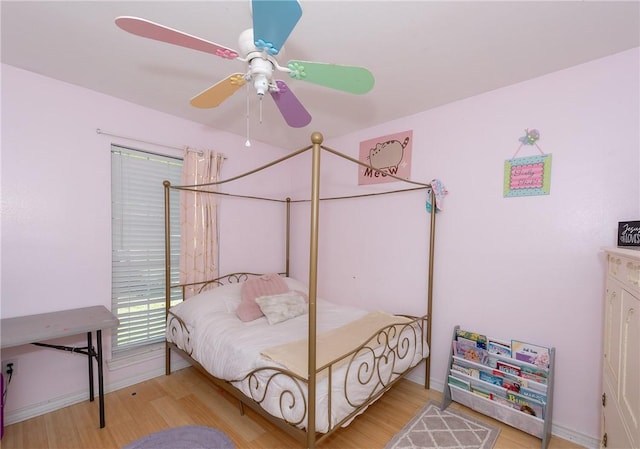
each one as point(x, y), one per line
point(261, 85)
point(261, 71)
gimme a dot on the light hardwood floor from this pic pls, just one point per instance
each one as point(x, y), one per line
point(188, 398)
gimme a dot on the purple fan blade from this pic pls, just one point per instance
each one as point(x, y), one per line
point(290, 107)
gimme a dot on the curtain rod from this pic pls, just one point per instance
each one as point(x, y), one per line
point(199, 152)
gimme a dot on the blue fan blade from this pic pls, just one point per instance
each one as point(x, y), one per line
point(290, 107)
point(273, 21)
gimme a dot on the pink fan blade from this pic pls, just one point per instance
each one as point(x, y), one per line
point(290, 107)
point(216, 94)
point(151, 30)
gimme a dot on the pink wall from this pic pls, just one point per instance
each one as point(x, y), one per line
point(527, 268)
point(56, 216)
point(524, 268)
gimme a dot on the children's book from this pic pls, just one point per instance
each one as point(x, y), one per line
point(460, 383)
point(529, 353)
point(525, 404)
point(485, 393)
point(508, 368)
point(532, 373)
point(540, 387)
point(495, 378)
point(538, 396)
point(471, 372)
point(479, 339)
point(469, 351)
point(498, 347)
point(511, 385)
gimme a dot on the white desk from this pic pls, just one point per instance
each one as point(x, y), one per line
point(34, 329)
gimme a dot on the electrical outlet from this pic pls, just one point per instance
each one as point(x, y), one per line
point(9, 367)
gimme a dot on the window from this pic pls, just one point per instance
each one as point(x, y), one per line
point(138, 244)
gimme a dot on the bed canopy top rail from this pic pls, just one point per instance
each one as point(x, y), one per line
point(316, 147)
point(201, 187)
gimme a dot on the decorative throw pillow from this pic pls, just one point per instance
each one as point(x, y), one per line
point(209, 301)
point(266, 285)
point(279, 308)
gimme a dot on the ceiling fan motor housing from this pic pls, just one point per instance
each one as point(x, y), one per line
point(260, 64)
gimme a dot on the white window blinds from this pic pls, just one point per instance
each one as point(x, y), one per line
point(138, 243)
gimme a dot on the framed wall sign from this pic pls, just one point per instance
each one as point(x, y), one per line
point(629, 233)
point(385, 155)
point(530, 175)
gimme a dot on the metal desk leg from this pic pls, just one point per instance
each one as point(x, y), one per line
point(100, 379)
point(90, 352)
point(90, 358)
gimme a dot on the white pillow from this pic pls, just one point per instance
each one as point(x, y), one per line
point(279, 308)
point(295, 284)
point(219, 299)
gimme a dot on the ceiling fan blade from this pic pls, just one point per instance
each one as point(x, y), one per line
point(216, 94)
point(151, 30)
point(355, 80)
point(273, 21)
point(290, 107)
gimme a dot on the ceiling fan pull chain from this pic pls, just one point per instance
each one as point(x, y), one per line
point(247, 143)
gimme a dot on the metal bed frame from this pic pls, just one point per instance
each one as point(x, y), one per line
point(390, 337)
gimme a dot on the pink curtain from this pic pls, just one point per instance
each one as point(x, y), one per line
point(199, 230)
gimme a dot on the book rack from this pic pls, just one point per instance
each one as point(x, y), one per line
point(496, 379)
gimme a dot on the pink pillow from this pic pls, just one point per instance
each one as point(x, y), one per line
point(266, 285)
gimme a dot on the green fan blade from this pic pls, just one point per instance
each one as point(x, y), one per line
point(355, 80)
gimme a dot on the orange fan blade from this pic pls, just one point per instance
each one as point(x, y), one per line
point(216, 94)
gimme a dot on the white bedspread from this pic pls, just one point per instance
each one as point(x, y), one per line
point(230, 349)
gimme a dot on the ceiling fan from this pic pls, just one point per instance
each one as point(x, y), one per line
point(273, 22)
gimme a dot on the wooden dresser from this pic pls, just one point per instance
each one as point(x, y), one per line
point(621, 362)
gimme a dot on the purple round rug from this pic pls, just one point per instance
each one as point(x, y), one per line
point(187, 437)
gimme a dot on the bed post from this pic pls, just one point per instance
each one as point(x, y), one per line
point(316, 140)
point(287, 244)
point(432, 234)
point(167, 272)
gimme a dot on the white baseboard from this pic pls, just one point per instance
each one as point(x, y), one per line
point(31, 411)
point(557, 430)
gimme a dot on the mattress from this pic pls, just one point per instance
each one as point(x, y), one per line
point(206, 327)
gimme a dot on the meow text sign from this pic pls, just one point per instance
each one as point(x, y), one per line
point(385, 155)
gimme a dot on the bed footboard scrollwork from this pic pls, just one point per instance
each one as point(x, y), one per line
point(265, 384)
point(375, 365)
point(347, 385)
point(179, 333)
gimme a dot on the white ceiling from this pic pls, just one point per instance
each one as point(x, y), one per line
point(422, 53)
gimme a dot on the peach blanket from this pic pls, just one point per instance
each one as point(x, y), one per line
point(332, 344)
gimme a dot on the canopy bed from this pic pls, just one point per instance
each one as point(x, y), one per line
point(308, 365)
